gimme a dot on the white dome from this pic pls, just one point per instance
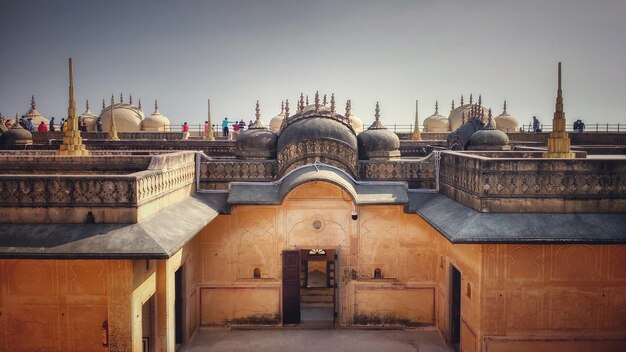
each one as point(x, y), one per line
point(35, 115)
point(89, 118)
point(506, 122)
point(436, 122)
point(356, 123)
point(127, 118)
point(276, 122)
point(155, 122)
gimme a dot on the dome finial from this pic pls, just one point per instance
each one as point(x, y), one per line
point(317, 100)
point(156, 106)
point(436, 107)
point(139, 104)
point(282, 107)
point(307, 100)
point(325, 102)
point(130, 99)
point(301, 107)
point(480, 100)
point(257, 111)
point(377, 112)
point(348, 108)
point(332, 103)
point(452, 107)
point(103, 104)
point(286, 109)
point(462, 100)
point(504, 112)
point(463, 117)
point(490, 121)
point(471, 99)
point(32, 102)
point(87, 105)
point(121, 98)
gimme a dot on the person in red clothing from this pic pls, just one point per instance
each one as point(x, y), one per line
point(42, 127)
point(236, 129)
point(185, 131)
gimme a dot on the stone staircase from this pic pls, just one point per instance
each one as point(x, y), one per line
point(317, 295)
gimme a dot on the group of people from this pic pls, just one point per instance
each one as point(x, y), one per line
point(579, 125)
point(28, 124)
point(237, 127)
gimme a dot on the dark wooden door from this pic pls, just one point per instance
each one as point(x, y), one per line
point(291, 287)
point(178, 305)
point(455, 309)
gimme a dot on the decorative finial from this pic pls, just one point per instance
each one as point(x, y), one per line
point(121, 98)
point(504, 112)
point(332, 102)
point(463, 117)
point(480, 100)
point(301, 102)
point(286, 109)
point(257, 123)
point(462, 100)
point(377, 112)
point(130, 99)
point(307, 100)
point(103, 104)
point(416, 130)
point(325, 101)
point(257, 111)
point(436, 107)
point(282, 107)
point(112, 128)
point(139, 104)
point(32, 102)
point(317, 100)
point(452, 107)
point(156, 106)
point(490, 122)
point(348, 108)
point(87, 104)
point(471, 99)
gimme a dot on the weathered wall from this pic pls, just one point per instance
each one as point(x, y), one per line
point(543, 297)
point(60, 305)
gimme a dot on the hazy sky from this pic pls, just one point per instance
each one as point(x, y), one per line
point(235, 52)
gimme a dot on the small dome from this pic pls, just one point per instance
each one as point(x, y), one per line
point(436, 122)
point(17, 135)
point(257, 142)
point(377, 142)
point(34, 114)
point(506, 122)
point(89, 118)
point(277, 120)
point(127, 118)
point(356, 123)
point(489, 138)
point(156, 121)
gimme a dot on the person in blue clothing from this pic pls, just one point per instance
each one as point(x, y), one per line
point(225, 127)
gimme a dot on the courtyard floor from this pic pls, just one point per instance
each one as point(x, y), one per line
point(418, 340)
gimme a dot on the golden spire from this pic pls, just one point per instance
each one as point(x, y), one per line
point(72, 141)
point(558, 140)
point(211, 134)
point(332, 102)
point(112, 130)
point(416, 131)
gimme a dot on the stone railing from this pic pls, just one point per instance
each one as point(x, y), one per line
point(534, 184)
point(418, 173)
point(165, 174)
point(238, 170)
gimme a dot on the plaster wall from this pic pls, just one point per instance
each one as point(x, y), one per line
point(60, 305)
point(549, 297)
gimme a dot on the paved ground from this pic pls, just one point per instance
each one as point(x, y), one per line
point(317, 341)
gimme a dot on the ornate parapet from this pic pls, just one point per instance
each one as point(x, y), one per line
point(496, 184)
point(418, 173)
point(238, 170)
point(56, 197)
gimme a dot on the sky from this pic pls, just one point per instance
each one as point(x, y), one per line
point(394, 52)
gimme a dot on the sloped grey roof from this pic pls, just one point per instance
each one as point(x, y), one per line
point(159, 236)
point(460, 224)
point(372, 192)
